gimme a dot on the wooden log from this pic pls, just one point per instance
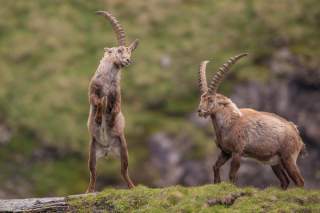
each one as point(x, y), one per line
point(48, 204)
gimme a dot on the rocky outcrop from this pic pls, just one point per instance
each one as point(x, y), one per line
point(168, 160)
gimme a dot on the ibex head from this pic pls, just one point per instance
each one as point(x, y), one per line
point(120, 55)
point(209, 101)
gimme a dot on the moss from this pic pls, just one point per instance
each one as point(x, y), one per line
point(195, 199)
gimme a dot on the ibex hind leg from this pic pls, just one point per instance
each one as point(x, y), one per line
point(293, 171)
point(281, 175)
point(285, 175)
point(92, 165)
point(125, 162)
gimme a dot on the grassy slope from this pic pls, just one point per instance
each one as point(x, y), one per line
point(197, 199)
point(49, 50)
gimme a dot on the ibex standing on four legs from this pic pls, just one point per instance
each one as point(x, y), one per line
point(106, 122)
point(263, 136)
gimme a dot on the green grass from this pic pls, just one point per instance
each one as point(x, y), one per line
point(195, 199)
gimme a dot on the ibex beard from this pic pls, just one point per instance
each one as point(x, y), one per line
point(106, 122)
point(263, 136)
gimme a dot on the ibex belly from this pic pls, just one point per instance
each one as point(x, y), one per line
point(262, 146)
point(274, 160)
point(108, 140)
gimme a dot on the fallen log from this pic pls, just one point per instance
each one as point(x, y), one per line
point(48, 204)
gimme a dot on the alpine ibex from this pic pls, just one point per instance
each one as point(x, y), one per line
point(263, 136)
point(106, 122)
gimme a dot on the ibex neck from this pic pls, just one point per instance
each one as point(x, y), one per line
point(109, 72)
point(224, 118)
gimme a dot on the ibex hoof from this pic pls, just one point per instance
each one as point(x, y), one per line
point(90, 191)
point(216, 181)
point(131, 186)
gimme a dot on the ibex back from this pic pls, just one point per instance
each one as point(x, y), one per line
point(106, 122)
point(263, 136)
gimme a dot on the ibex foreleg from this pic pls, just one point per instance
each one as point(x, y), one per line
point(234, 167)
point(222, 159)
point(100, 107)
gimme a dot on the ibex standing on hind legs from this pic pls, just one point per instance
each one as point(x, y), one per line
point(106, 122)
point(263, 136)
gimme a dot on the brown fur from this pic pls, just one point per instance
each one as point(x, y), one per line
point(263, 136)
point(106, 121)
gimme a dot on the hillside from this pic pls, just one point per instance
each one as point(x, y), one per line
point(50, 49)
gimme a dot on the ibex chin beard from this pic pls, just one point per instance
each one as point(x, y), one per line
point(202, 113)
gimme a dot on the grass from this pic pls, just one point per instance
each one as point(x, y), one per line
point(197, 199)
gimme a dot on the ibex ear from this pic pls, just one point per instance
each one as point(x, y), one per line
point(134, 45)
point(107, 49)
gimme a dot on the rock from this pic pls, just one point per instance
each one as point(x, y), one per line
point(168, 159)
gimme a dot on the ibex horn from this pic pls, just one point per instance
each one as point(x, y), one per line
point(202, 77)
point(218, 77)
point(117, 28)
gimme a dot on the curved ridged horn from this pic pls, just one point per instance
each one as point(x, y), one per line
point(218, 77)
point(202, 77)
point(117, 28)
